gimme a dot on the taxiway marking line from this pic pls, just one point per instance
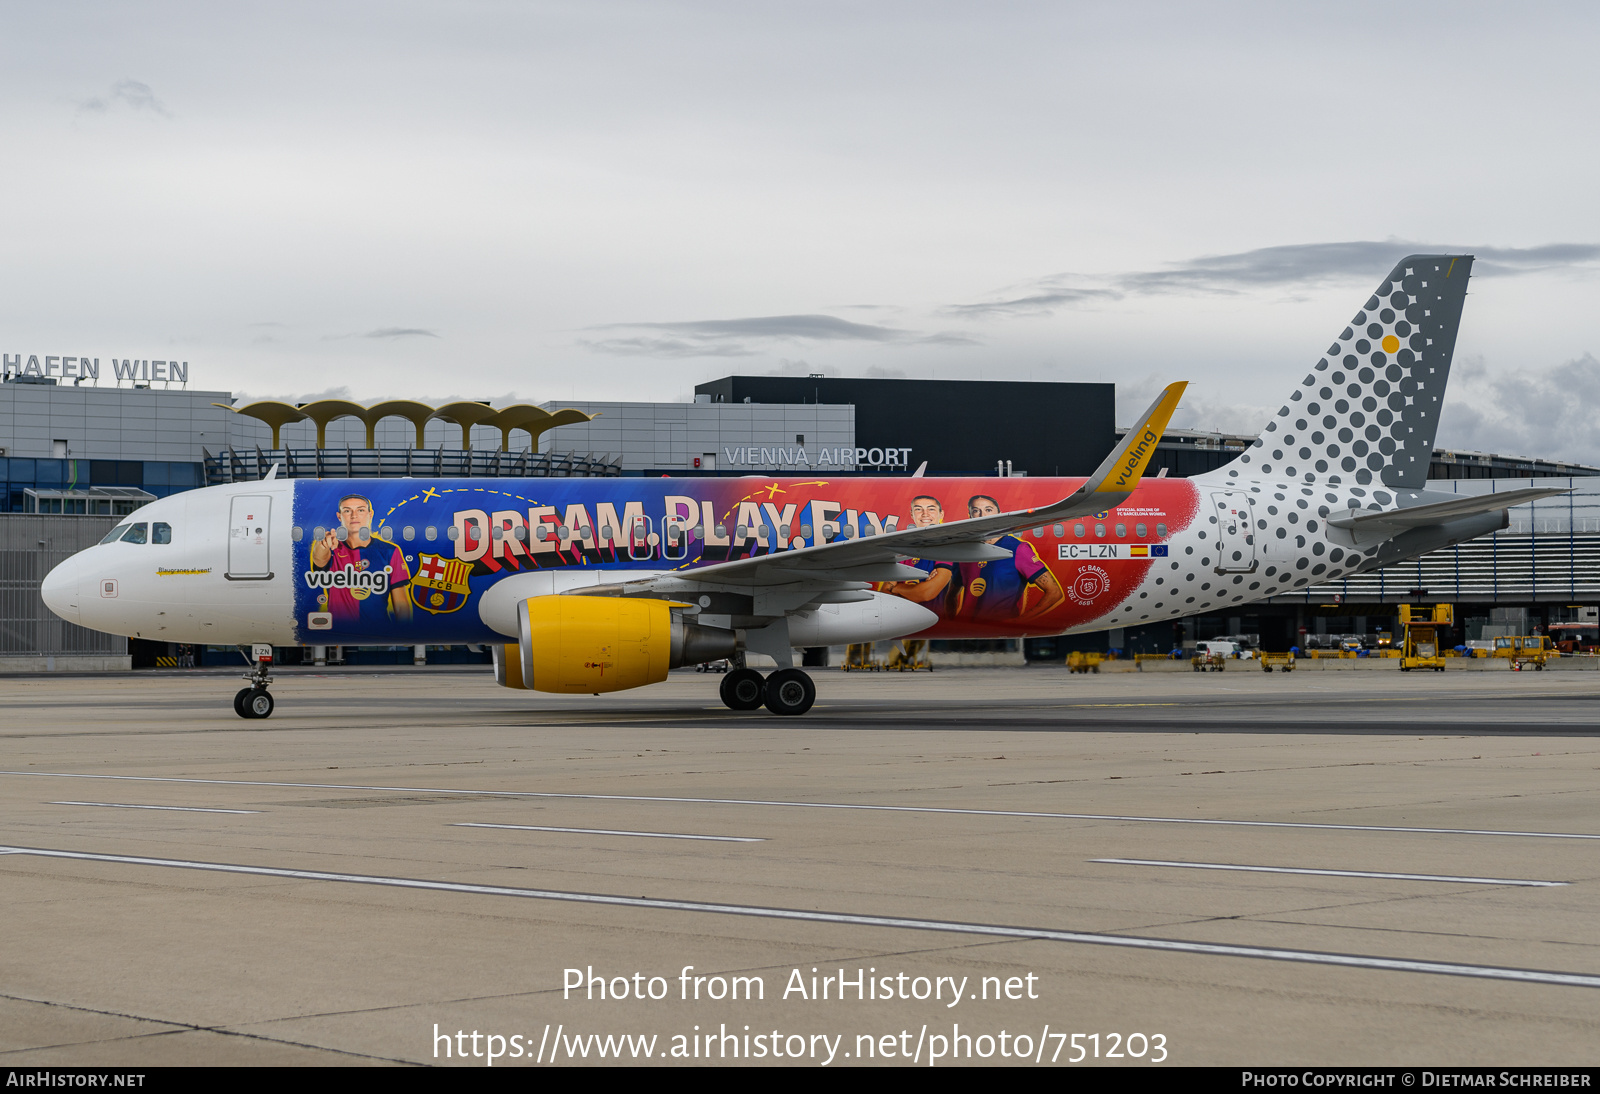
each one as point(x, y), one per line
point(993, 930)
point(1330, 873)
point(164, 808)
point(824, 805)
point(610, 832)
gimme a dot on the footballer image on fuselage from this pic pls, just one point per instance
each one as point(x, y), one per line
point(584, 586)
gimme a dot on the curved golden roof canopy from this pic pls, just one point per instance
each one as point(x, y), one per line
point(465, 414)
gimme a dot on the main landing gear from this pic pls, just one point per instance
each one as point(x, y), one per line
point(786, 692)
point(255, 701)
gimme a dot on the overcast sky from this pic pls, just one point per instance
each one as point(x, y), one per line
point(618, 201)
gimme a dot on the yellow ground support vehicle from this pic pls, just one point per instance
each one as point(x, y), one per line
point(1524, 650)
point(858, 658)
point(1423, 625)
point(1080, 661)
point(1270, 661)
point(909, 655)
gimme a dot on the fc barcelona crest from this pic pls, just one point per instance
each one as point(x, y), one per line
point(440, 585)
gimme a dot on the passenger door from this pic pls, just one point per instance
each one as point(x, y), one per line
point(249, 536)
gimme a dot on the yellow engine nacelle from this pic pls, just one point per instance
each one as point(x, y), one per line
point(590, 644)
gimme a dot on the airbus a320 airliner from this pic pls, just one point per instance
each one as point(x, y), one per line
point(596, 585)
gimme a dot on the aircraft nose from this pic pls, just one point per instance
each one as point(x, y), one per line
point(60, 589)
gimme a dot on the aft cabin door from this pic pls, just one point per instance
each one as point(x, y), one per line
point(1236, 532)
point(249, 532)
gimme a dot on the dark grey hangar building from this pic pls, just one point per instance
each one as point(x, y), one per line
point(961, 427)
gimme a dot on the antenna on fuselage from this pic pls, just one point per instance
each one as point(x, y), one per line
point(271, 474)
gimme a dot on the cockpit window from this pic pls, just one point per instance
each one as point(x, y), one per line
point(136, 533)
point(116, 533)
point(161, 532)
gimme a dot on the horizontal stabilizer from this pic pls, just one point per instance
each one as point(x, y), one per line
point(1363, 527)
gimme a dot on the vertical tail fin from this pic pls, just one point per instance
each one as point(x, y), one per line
point(1369, 410)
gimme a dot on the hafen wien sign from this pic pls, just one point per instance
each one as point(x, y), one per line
point(48, 366)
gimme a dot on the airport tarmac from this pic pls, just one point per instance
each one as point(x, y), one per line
point(1234, 868)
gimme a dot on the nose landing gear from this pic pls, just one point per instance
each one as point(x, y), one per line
point(787, 692)
point(255, 701)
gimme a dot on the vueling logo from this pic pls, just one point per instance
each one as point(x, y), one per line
point(1135, 458)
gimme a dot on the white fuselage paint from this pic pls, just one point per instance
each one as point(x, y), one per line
point(182, 591)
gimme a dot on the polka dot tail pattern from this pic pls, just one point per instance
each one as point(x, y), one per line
point(1368, 411)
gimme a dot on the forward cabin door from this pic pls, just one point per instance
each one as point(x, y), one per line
point(1236, 532)
point(249, 534)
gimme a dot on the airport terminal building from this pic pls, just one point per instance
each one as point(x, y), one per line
point(76, 453)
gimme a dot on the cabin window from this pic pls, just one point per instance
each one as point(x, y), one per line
point(430, 533)
point(1122, 531)
point(1077, 530)
point(1100, 531)
point(1058, 531)
point(1161, 531)
point(1038, 533)
point(1141, 530)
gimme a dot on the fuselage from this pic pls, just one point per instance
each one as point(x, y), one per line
point(405, 561)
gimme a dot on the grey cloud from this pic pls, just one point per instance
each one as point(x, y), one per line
point(1314, 263)
point(1195, 412)
point(822, 327)
point(1289, 266)
point(400, 332)
point(385, 332)
point(1549, 414)
point(739, 337)
point(243, 397)
point(665, 347)
point(1035, 303)
point(139, 96)
point(947, 338)
point(787, 367)
point(134, 94)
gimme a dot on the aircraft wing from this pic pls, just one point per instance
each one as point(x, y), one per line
point(877, 558)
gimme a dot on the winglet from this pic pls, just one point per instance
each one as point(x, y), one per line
point(1121, 471)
